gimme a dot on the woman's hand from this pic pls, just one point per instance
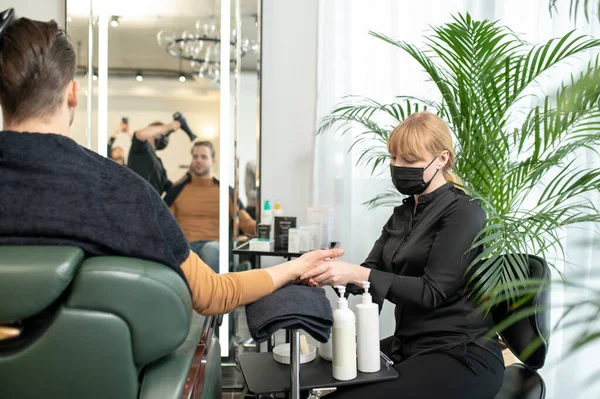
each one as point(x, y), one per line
point(313, 259)
point(336, 272)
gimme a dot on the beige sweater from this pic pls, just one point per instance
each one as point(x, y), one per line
point(197, 211)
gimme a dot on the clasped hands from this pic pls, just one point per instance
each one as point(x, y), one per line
point(323, 267)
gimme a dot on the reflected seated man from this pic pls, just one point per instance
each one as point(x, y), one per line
point(195, 204)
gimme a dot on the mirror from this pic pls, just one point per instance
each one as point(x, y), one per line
point(142, 67)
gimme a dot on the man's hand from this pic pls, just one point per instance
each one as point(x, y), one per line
point(292, 270)
point(315, 259)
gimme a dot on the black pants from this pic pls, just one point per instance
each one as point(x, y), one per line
point(436, 375)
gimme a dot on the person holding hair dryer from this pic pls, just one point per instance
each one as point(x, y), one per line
point(144, 144)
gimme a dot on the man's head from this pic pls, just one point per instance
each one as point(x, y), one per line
point(37, 68)
point(203, 159)
point(118, 155)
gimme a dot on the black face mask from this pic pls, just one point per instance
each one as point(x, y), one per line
point(409, 181)
point(163, 141)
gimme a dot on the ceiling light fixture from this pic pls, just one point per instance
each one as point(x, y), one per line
point(114, 21)
point(202, 46)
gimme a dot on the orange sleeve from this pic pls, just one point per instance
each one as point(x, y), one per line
point(246, 223)
point(214, 293)
point(173, 210)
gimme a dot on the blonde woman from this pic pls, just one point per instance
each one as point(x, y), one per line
point(418, 264)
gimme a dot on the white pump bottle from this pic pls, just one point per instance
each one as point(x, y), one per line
point(367, 315)
point(344, 340)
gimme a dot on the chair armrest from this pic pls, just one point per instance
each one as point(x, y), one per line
point(204, 377)
point(34, 277)
point(167, 378)
point(211, 383)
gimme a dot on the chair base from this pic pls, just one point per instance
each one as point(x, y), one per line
point(521, 382)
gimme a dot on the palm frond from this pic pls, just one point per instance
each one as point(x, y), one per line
point(388, 198)
point(575, 7)
point(437, 75)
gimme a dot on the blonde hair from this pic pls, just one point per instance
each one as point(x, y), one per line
point(420, 132)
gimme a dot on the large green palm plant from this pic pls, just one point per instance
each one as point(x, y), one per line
point(507, 149)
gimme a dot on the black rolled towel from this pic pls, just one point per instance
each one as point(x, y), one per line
point(293, 306)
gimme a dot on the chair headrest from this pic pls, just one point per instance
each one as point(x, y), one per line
point(521, 334)
point(33, 277)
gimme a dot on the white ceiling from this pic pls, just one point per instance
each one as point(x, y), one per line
point(134, 44)
point(135, 10)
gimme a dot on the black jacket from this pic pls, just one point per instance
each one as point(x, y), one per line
point(143, 160)
point(418, 264)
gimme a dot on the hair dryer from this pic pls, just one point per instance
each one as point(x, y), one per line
point(6, 18)
point(184, 125)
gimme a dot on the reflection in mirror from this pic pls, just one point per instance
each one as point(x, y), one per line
point(147, 85)
point(247, 131)
point(151, 77)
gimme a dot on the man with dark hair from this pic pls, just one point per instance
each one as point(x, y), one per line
point(208, 145)
point(195, 205)
point(55, 192)
point(22, 95)
point(142, 157)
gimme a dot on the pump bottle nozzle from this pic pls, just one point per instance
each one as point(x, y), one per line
point(366, 285)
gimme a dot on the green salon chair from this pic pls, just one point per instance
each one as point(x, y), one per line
point(103, 327)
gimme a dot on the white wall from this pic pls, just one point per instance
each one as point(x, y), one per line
point(247, 149)
point(289, 93)
point(43, 10)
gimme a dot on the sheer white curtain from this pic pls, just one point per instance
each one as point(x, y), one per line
point(351, 62)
